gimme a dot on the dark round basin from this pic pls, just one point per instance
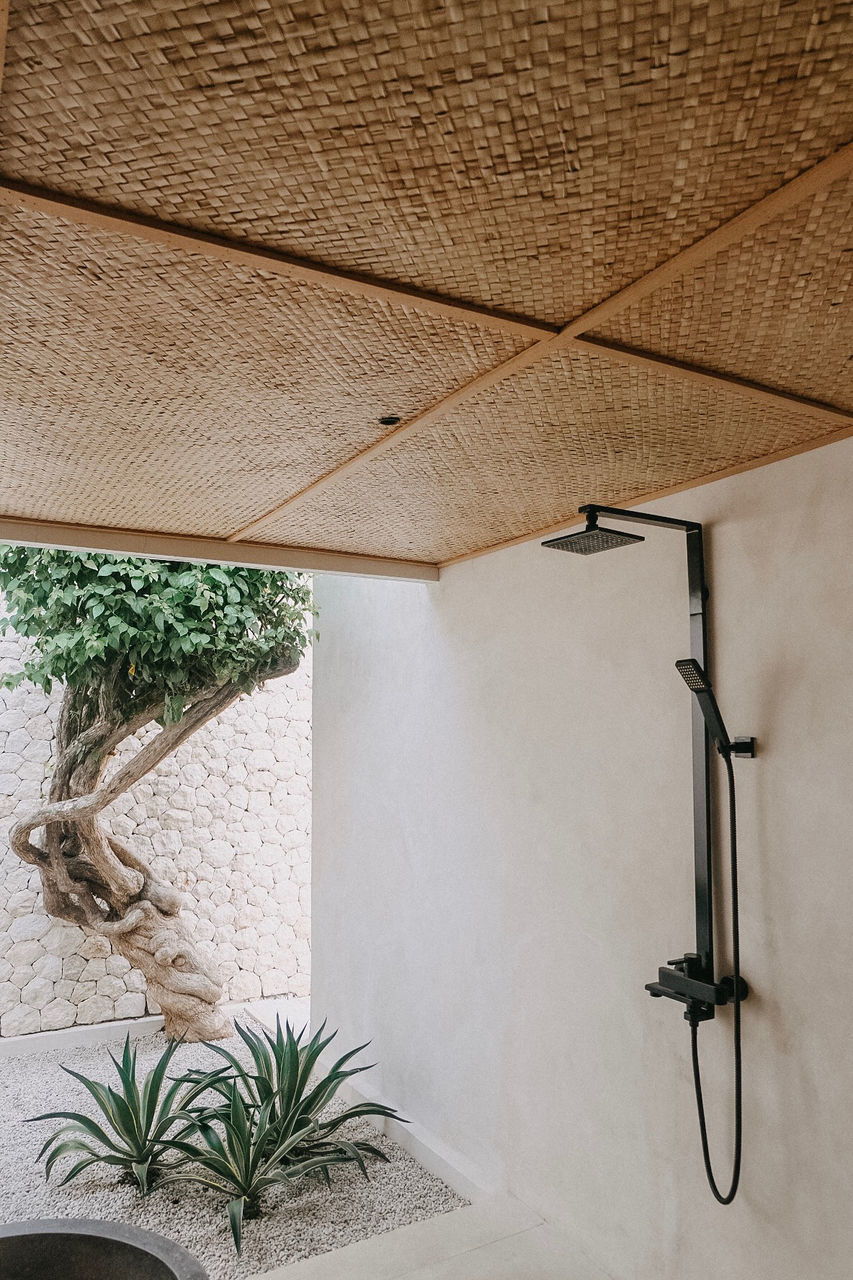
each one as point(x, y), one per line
point(83, 1249)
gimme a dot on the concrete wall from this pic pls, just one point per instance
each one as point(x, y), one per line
point(226, 819)
point(502, 858)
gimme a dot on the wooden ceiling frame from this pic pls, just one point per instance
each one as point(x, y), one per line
point(573, 334)
point(4, 29)
point(653, 495)
point(546, 340)
point(172, 546)
point(712, 378)
point(87, 213)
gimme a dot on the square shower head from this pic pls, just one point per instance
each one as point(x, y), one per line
point(588, 541)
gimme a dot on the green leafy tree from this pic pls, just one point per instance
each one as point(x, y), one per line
point(137, 642)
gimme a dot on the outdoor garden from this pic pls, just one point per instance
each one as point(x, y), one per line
point(235, 1138)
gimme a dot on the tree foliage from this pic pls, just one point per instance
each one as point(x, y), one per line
point(157, 632)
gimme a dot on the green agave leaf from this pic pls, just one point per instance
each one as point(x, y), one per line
point(350, 1149)
point(84, 1122)
point(347, 1057)
point(166, 1121)
point(266, 1087)
point(211, 1156)
point(128, 1076)
point(200, 1082)
point(233, 1061)
point(259, 1139)
point(153, 1084)
point(126, 1121)
point(167, 1114)
point(102, 1159)
point(169, 1178)
point(235, 1217)
point(56, 1137)
point(100, 1092)
point(373, 1151)
point(310, 1054)
point(78, 1168)
point(323, 1092)
point(140, 1172)
point(357, 1112)
point(283, 1148)
point(225, 1077)
point(315, 1162)
point(263, 1060)
point(287, 1053)
point(68, 1148)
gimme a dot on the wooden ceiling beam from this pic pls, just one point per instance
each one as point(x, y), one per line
point(706, 378)
point(87, 213)
point(437, 411)
point(820, 176)
point(4, 29)
point(713, 379)
point(164, 546)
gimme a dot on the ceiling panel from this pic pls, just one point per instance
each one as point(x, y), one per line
point(146, 388)
point(775, 308)
point(526, 156)
point(532, 158)
point(525, 454)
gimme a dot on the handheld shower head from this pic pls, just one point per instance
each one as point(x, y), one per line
point(694, 677)
point(591, 539)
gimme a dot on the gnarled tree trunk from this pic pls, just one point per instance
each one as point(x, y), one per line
point(93, 880)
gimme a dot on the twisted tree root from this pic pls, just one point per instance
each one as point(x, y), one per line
point(93, 880)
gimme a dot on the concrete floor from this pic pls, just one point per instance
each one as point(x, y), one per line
point(496, 1239)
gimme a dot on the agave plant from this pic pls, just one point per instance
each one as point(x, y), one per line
point(279, 1078)
point(133, 1135)
point(246, 1160)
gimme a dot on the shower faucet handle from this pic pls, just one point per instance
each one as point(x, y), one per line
point(690, 964)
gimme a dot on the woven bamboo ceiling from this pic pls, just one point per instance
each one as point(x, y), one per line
point(383, 285)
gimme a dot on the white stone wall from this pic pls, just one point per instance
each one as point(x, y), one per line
point(226, 819)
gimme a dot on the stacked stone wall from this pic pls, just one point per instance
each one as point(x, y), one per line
point(226, 819)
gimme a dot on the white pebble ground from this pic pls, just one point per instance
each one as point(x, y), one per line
point(297, 1222)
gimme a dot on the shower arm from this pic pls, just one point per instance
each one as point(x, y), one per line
point(690, 979)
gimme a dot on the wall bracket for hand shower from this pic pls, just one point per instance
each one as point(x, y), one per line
point(689, 979)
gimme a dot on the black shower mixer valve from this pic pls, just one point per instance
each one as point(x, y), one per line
point(687, 979)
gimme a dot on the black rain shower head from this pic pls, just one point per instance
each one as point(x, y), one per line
point(591, 539)
point(694, 677)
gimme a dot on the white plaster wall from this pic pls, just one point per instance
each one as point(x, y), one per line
point(226, 819)
point(502, 859)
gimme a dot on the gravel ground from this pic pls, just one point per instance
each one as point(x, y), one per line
point(297, 1222)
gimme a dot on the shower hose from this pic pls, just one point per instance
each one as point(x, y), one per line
point(694, 1045)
